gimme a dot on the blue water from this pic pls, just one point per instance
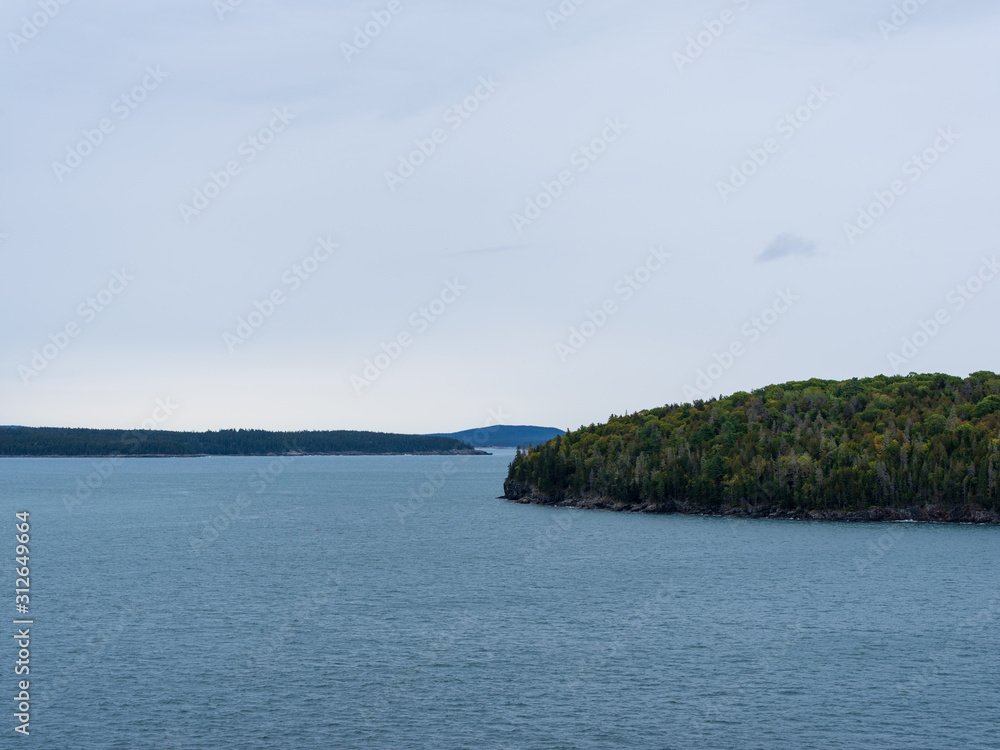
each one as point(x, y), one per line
point(340, 609)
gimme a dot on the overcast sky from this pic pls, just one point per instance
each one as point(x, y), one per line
point(439, 193)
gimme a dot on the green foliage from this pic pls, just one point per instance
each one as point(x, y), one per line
point(885, 441)
point(989, 405)
point(935, 424)
point(54, 441)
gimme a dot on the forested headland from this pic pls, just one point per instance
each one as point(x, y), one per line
point(921, 447)
point(55, 441)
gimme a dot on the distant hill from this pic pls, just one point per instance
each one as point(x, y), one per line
point(57, 441)
point(504, 436)
point(920, 447)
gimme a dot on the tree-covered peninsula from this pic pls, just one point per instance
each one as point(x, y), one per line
point(921, 447)
point(54, 441)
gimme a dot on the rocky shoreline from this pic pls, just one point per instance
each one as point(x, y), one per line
point(927, 514)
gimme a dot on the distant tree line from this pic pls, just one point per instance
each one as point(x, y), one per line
point(55, 441)
point(885, 441)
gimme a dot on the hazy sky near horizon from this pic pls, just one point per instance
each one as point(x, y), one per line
point(547, 215)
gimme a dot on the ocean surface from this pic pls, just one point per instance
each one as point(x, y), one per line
point(395, 602)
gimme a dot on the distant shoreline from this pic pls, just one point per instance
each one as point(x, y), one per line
point(73, 442)
point(474, 452)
